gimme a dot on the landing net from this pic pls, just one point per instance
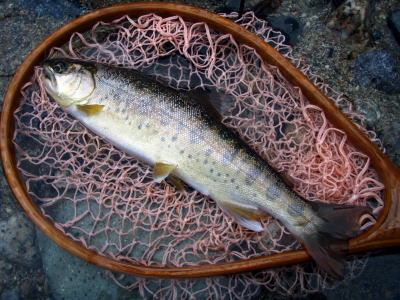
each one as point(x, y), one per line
point(106, 200)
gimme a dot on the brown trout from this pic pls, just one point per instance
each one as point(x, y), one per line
point(171, 131)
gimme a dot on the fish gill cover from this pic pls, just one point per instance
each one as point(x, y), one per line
point(106, 200)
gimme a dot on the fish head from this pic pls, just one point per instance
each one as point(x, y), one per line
point(68, 81)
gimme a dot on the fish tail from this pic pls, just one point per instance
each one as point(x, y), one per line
point(326, 237)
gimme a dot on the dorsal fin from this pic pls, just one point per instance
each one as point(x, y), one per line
point(210, 105)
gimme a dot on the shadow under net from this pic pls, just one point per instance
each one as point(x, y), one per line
point(106, 200)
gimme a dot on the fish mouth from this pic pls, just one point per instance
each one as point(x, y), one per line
point(48, 75)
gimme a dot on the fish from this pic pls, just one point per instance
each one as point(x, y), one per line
point(174, 131)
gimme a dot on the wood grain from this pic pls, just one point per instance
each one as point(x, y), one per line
point(386, 232)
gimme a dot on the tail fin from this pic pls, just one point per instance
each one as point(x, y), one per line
point(327, 242)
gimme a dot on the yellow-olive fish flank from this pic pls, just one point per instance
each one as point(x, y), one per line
point(167, 129)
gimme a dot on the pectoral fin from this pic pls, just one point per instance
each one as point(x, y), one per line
point(162, 171)
point(246, 215)
point(90, 109)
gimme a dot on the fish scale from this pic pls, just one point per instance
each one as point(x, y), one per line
point(172, 131)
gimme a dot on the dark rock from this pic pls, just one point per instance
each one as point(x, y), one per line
point(376, 35)
point(390, 136)
point(289, 26)
point(72, 278)
point(5, 270)
point(17, 241)
point(10, 294)
point(316, 3)
point(336, 3)
point(394, 24)
point(53, 8)
point(379, 70)
point(4, 80)
point(18, 37)
point(382, 271)
point(26, 288)
point(260, 7)
point(330, 52)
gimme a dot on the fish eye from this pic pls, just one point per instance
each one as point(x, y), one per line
point(59, 67)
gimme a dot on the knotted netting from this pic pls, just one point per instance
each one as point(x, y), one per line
point(106, 200)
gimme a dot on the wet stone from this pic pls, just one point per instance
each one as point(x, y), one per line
point(52, 8)
point(4, 81)
point(290, 27)
point(391, 135)
point(11, 294)
point(5, 270)
point(394, 24)
point(71, 278)
point(379, 70)
point(17, 241)
point(314, 3)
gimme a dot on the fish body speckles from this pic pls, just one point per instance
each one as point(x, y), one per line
point(166, 128)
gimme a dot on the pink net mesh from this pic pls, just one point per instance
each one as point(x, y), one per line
point(106, 200)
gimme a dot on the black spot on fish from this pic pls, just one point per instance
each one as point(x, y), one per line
point(162, 139)
point(227, 158)
point(190, 156)
point(237, 187)
point(252, 175)
point(296, 209)
point(273, 192)
point(233, 180)
point(182, 151)
point(219, 174)
point(139, 126)
point(211, 170)
point(147, 125)
point(180, 127)
point(205, 161)
point(174, 138)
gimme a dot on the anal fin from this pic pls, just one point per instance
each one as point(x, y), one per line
point(245, 214)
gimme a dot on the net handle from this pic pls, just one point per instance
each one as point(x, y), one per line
point(385, 233)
